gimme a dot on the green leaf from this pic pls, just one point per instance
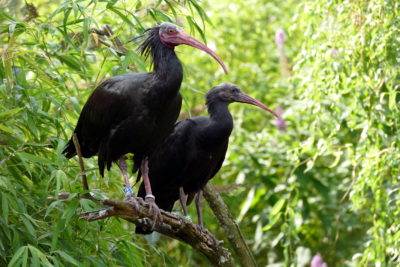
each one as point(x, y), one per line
point(5, 16)
point(277, 207)
point(4, 206)
point(17, 256)
point(51, 207)
point(6, 129)
point(24, 258)
point(71, 61)
point(246, 204)
point(272, 222)
point(43, 259)
point(28, 226)
point(122, 16)
point(34, 158)
point(67, 257)
point(194, 24)
point(139, 63)
point(11, 111)
point(86, 23)
point(392, 100)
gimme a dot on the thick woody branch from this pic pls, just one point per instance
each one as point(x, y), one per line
point(230, 226)
point(172, 225)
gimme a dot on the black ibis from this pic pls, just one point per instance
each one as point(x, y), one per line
point(135, 112)
point(192, 155)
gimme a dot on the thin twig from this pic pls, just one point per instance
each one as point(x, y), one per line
point(82, 166)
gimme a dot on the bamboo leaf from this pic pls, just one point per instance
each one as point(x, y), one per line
point(28, 226)
point(4, 206)
point(24, 258)
point(10, 112)
point(122, 16)
point(51, 207)
point(272, 222)
point(30, 157)
point(17, 256)
point(6, 129)
point(5, 16)
point(67, 257)
point(43, 259)
point(278, 206)
point(86, 24)
point(138, 61)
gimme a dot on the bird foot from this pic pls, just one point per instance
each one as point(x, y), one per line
point(215, 241)
point(153, 209)
point(135, 201)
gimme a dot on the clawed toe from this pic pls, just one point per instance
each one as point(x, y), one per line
point(201, 228)
point(155, 210)
point(140, 200)
point(204, 230)
point(133, 200)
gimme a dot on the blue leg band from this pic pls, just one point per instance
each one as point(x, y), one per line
point(128, 191)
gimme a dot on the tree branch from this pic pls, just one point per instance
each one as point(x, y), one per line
point(108, 32)
point(172, 225)
point(230, 226)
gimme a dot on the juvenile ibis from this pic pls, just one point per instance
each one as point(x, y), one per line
point(135, 112)
point(192, 155)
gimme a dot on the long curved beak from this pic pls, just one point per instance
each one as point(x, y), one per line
point(243, 98)
point(186, 39)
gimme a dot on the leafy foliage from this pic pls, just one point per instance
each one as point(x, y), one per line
point(328, 184)
point(49, 66)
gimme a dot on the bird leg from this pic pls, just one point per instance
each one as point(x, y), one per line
point(183, 199)
point(199, 208)
point(200, 217)
point(129, 196)
point(150, 198)
point(128, 189)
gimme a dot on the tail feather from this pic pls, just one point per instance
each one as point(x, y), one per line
point(69, 150)
point(102, 158)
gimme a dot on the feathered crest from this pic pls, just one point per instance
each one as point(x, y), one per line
point(150, 45)
point(151, 41)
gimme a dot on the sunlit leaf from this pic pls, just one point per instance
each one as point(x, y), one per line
point(277, 207)
point(10, 112)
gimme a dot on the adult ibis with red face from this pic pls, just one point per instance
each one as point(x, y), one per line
point(135, 112)
point(193, 154)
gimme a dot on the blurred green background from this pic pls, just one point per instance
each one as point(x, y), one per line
point(328, 183)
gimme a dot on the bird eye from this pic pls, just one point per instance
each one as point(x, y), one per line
point(170, 31)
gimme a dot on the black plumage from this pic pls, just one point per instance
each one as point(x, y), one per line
point(195, 151)
point(135, 112)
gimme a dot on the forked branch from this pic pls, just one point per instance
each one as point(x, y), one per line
point(172, 225)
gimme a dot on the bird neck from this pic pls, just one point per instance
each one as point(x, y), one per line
point(168, 68)
point(168, 72)
point(221, 122)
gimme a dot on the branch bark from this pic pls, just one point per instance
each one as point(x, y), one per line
point(172, 225)
point(230, 226)
point(81, 165)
